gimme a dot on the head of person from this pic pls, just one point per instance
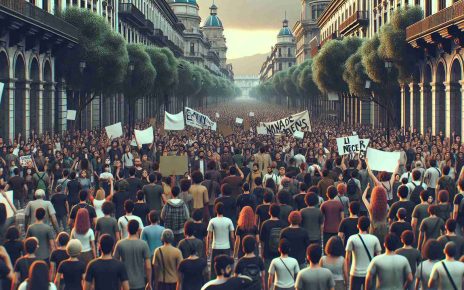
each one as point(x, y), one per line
point(334, 247)
point(311, 199)
point(354, 207)
point(450, 249)
point(74, 248)
point(401, 214)
point(432, 250)
point(153, 217)
point(12, 234)
point(443, 196)
point(433, 209)
point(197, 215)
point(314, 253)
point(274, 210)
point(232, 171)
point(268, 196)
point(167, 236)
point(246, 218)
point(407, 238)
point(391, 242)
point(128, 206)
point(133, 227)
point(451, 225)
point(175, 191)
point(39, 194)
point(246, 187)
point(100, 194)
point(40, 214)
point(30, 245)
point(258, 181)
point(433, 163)
point(83, 194)
point(107, 208)
point(332, 192)
point(416, 175)
point(294, 218)
point(132, 171)
point(284, 247)
point(424, 195)
point(403, 191)
point(38, 276)
point(379, 203)
point(223, 265)
point(227, 189)
point(82, 221)
point(219, 208)
point(62, 239)
point(249, 244)
point(364, 223)
point(189, 229)
point(106, 244)
point(185, 185)
point(342, 188)
point(283, 197)
point(197, 177)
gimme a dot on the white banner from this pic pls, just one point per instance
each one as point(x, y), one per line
point(114, 131)
point(2, 85)
point(239, 121)
point(261, 130)
point(363, 144)
point(251, 114)
point(174, 122)
point(71, 115)
point(198, 120)
point(298, 135)
point(289, 125)
point(347, 145)
point(144, 137)
point(26, 161)
point(217, 115)
point(381, 160)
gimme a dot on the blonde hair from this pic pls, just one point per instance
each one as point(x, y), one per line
point(100, 195)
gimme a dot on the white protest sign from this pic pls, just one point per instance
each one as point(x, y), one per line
point(289, 125)
point(174, 122)
point(114, 131)
point(26, 161)
point(239, 120)
point(71, 115)
point(144, 137)
point(198, 120)
point(381, 160)
point(332, 96)
point(251, 114)
point(261, 130)
point(16, 151)
point(298, 135)
point(58, 147)
point(2, 85)
point(133, 143)
point(354, 133)
point(347, 145)
point(217, 115)
point(363, 144)
point(9, 210)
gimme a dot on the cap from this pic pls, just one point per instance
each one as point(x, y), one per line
point(74, 248)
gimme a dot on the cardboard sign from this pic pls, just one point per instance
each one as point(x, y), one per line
point(26, 161)
point(225, 129)
point(198, 120)
point(381, 160)
point(289, 125)
point(239, 121)
point(174, 122)
point(9, 210)
point(173, 165)
point(251, 114)
point(145, 137)
point(2, 85)
point(58, 147)
point(347, 145)
point(71, 115)
point(298, 135)
point(363, 144)
point(114, 131)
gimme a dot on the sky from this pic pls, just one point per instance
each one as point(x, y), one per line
point(251, 26)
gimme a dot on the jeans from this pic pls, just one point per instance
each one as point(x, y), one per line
point(357, 282)
point(62, 223)
point(215, 253)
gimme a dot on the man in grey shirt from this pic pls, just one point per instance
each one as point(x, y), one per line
point(390, 271)
point(135, 255)
point(43, 233)
point(33, 205)
point(448, 273)
point(314, 276)
point(153, 193)
point(312, 218)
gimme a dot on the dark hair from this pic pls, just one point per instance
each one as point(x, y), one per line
point(364, 223)
point(451, 225)
point(314, 253)
point(416, 175)
point(433, 209)
point(334, 247)
point(40, 213)
point(30, 245)
point(311, 199)
point(189, 228)
point(151, 178)
point(401, 213)
point(175, 191)
point(129, 206)
point(72, 175)
point(16, 171)
point(446, 170)
point(283, 197)
point(185, 184)
point(140, 195)
point(227, 189)
point(38, 276)
point(12, 233)
point(197, 177)
point(248, 244)
point(132, 227)
point(83, 194)
point(332, 192)
point(403, 191)
point(268, 196)
point(274, 210)
point(443, 196)
point(284, 246)
point(107, 207)
point(432, 250)
point(106, 244)
point(197, 215)
point(63, 239)
point(154, 216)
point(132, 171)
point(233, 171)
point(246, 187)
point(407, 237)
point(391, 242)
point(221, 263)
point(258, 181)
point(219, 208)
point(424, 195)
point(450, 249)
point(354, 207)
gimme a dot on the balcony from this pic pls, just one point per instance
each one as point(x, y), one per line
point(149, 27)
point(333, 35)
point(178, 52)
point(131, 14)
point(37, 18)
point(359, 18)
point(445, 24)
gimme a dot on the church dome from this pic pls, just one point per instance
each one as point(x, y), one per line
point(213, 20)
point(193, 2)
point(285, 30)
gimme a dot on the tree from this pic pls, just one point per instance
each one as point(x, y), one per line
point(306, 82)
point(102, 51)
point(140, 78)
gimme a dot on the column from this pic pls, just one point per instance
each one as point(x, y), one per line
point(413, 94)
point(11, 86)
point(434, 112)
point(62, 107)
point(462, 108)
point(27, 105)
point(448, 91)
point(403, 106)
point(40, 95)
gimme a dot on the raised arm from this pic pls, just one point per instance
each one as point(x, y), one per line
point(371, 174)
point(392, 178)
point(364, 197)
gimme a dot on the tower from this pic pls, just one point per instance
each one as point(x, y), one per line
point(214, 32)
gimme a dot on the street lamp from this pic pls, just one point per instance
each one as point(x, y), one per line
point(82, 66)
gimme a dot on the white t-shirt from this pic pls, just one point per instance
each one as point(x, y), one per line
point(23, 286)
point(360, 259)
point(124, 220)
point(283, 278)
point(439, 275)
point(97, 204)
point(221, 228)
point(411, 186)
point(84, 239)
point(431, 177)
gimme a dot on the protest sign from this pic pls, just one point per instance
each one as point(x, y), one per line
point(9, 210)
point(225, 129)
point(298, 135)
point(133, 143)
point(152, 122)
point(261, 130)
point(2, 85)
point(289, 125)
point(347, 145)
point(217, 115)
point(239, 121)
point(174, 122)
point(198, 120)
point(173, 165)
point(363, 143)
point(381, 160)
point(144, 137)
point(251, 114)
point(26, 161)
point(71, 115)
point(114, 131)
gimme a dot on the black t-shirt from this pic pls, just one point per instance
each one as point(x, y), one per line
point(89, 208)
point(59, 203)
point(300, 201)
point(285, 211)
point(258, 192)
point(262, 211)
point(406, 204)
point(73, 191)
point(58, 256)
point(233, 283)
point(265, 233)
point(141, 210)
point(398, 228)
point(107, 274)
point(299, 241)
point(200, 230)
point(22, 267)
point(192, 272)
point(16, 184)
point(250, 263)
point(240, 232)
point(72, 273)
point(457, 201)
point(246, 200)
point(135, 184)
point(230, 207)
point(14, 250)
point(118, 199)
point(349, 227)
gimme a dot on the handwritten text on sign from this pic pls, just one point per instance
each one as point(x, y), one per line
point(297, 122)
point(347, 145)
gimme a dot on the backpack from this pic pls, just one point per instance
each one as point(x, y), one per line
point(252, 271)
point(274, 239)
point(41, 184)
point(415, 194)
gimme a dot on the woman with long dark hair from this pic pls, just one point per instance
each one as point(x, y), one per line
point(5, 221)
point(85, 235)
point(245, 226)
point(38, 278)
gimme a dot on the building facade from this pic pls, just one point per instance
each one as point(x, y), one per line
point(306, 29)
point(282, 55)
point(433, 101)
point(245, 83)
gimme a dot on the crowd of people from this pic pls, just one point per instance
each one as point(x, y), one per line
point(252, 212)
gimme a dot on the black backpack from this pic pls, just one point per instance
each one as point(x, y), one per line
point(253, 271)
point(415, 194)
point(274, 240)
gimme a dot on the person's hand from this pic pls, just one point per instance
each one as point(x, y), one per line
point(148, 287)
point(368, 186)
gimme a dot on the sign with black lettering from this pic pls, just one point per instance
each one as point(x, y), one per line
point(363, 143)
point(295, 123)
point(198, 120)
point(347, 145)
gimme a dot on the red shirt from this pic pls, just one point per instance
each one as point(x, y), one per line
point(331, 210)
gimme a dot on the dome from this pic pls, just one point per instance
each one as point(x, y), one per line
point(193, 2)
point(213, 20)
point(285, 31)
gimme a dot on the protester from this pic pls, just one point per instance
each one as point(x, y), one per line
point(166, 261)
point(283, 269)
point(38, 278)
point(448, 273)
point(71, 270)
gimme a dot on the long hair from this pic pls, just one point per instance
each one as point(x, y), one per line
point(246, 220)
point(82, 222)
point(100, 195)
point(379, 203)
point(38, 276)
point(2, 213)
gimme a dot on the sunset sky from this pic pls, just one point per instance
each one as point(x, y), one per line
point(251, 26)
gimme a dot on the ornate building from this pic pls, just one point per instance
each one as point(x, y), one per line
point(282, 55)
point(245, 83)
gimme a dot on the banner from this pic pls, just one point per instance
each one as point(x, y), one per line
point(114, 131)
point(26, 161)
point(261, 130)
point(71, 115)
point(9, 210)
point(289, 125)
point(298, 135)
point(174, 122)
point(173, 165)
point(381, 160)
point(347, 145)
point(198, 120)
point(217, 115)
point(225, 129)
point(144, 137)
point(251, 114)
point(2, 85)
point(239, 121)
point(363, 143)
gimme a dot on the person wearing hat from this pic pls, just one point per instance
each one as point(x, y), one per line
point(166, 262)
point(71, 270)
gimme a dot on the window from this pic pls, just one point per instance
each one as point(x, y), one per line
point(428, 7)
point(375, 25)
point(441, 4)
point(192, 48)
point(290, 64)
point(289, 52)
point(280, 51)
point(280, 66)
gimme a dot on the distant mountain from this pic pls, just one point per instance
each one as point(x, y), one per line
point(248, 65)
